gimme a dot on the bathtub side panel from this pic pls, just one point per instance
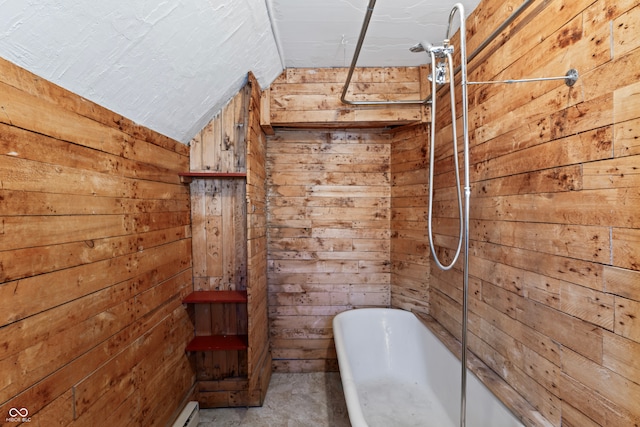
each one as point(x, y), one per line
point(344, 329)
point(393, 347)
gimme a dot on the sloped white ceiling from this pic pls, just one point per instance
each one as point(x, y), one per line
point(324, 33)
point(171, 65)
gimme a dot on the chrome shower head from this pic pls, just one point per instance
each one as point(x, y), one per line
point(417, 48)
point(421, 47)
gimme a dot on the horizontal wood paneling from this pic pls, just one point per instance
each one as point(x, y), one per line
point(94, 261)
point(554, 224)
point(328, 237)
point(409, 201)
point(310, 98)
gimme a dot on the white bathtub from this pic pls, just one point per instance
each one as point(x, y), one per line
point(395, 372)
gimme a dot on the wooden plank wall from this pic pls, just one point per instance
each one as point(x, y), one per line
point(259, 353)
point(310, 97)
point(229, 250)
point(328, 198)
point(409, 201)
point(95, 257)
point(555, 280)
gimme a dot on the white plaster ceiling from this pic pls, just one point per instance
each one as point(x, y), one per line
point(171, 65)
point(324, 33)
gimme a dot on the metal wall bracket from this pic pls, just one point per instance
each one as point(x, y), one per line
point(571, 77)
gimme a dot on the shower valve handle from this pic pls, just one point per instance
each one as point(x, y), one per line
point(442, 51)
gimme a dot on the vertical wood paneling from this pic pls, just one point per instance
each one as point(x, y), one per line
point(328, 235)
point(94, 261)
point(554, 223)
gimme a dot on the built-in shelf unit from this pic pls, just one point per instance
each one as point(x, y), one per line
point(230, 346)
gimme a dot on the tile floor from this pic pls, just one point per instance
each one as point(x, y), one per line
point(293, 400)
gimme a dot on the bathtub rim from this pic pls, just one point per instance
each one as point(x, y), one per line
point(509, 397)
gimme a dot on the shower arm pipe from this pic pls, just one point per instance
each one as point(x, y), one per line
point(427, 100)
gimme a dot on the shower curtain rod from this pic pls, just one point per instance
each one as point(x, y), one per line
point(427, 100)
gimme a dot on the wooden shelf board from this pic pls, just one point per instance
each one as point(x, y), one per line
point(218, 342)
point(216, 297)
point(186, 177)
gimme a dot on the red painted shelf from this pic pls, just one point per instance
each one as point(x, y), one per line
point(216, 297)
point(218, 342)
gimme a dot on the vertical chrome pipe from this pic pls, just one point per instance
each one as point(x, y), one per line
point(446, 51)
point(495, 32)
point(467, 195)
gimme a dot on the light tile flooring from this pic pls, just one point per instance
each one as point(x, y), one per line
point(293, 400)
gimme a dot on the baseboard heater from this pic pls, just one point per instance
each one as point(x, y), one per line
point(189, 417)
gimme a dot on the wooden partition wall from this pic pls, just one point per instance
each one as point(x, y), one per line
point(230, 251)
point(94, 261)
point(555, 281)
